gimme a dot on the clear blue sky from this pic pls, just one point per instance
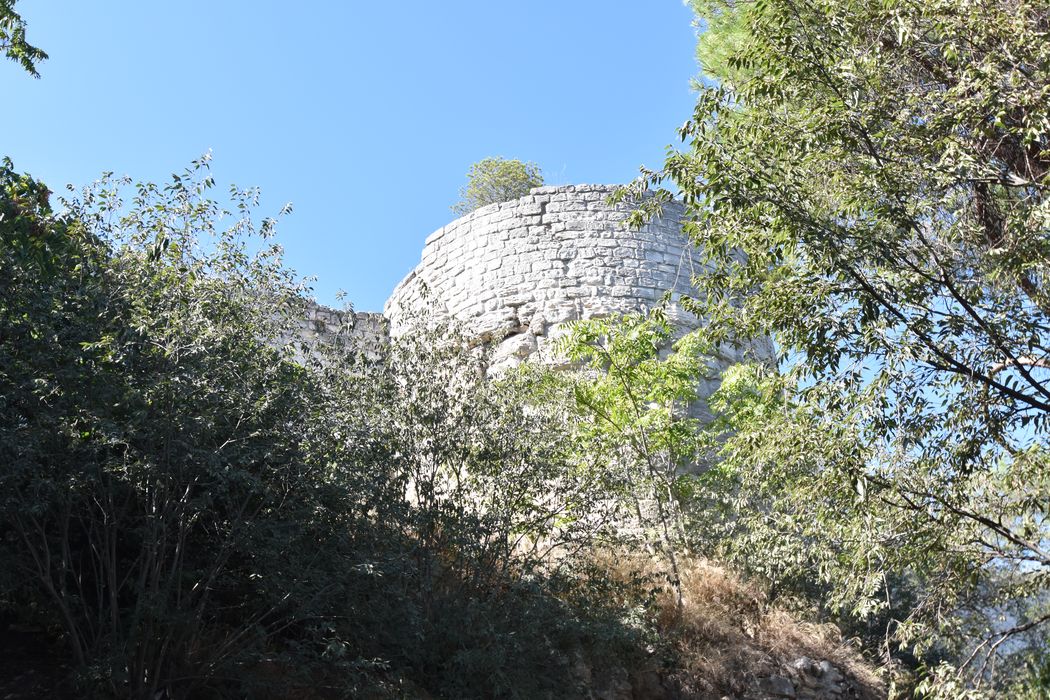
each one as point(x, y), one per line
point(365, 115)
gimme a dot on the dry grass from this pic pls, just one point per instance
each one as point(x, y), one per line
point(726, 631)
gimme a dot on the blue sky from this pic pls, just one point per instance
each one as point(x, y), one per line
point(365, 115)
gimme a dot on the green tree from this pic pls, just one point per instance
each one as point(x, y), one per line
point(494, 180)
point(151, 472)
point(634, 394)
point(13, 39)
point(869, 182)
point(199, 503)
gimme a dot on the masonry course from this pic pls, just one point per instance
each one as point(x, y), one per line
point(512, 273)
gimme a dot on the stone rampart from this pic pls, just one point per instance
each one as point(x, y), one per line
point(367, 331)
point(511, 273)
point(514, 271)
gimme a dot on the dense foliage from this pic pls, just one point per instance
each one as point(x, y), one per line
point(868, 181)
point(197, 503)
point(495, 180)
point(13, 41)
point(632, 394)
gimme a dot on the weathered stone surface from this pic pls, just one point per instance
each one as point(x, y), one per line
point(367, 331)
point(828, 673)
point(514, 272)
point(777, 686)
point(556, 245)
point(558, 254)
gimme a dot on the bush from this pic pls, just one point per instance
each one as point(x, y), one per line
point(494, 180)
point(197, 507)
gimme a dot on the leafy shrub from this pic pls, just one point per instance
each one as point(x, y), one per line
point(494, 180)
point(198, 507)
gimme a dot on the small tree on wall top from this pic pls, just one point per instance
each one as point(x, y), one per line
point(493, 180)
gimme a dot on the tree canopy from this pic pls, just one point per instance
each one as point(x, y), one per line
point(191, 493)
point(868, 182)
point(494, 180)
point(196, 500)
point(13, 39)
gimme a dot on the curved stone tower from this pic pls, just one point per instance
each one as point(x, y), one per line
point(513, 271)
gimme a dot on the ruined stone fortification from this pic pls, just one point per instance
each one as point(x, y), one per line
point(512, 272)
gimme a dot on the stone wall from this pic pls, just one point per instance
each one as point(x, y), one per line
point(513, 271)
point(367, 331)
point(557, 254)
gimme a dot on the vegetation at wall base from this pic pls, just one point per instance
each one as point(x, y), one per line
point(195, 506)
point(196, 501)
point(868, 183)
